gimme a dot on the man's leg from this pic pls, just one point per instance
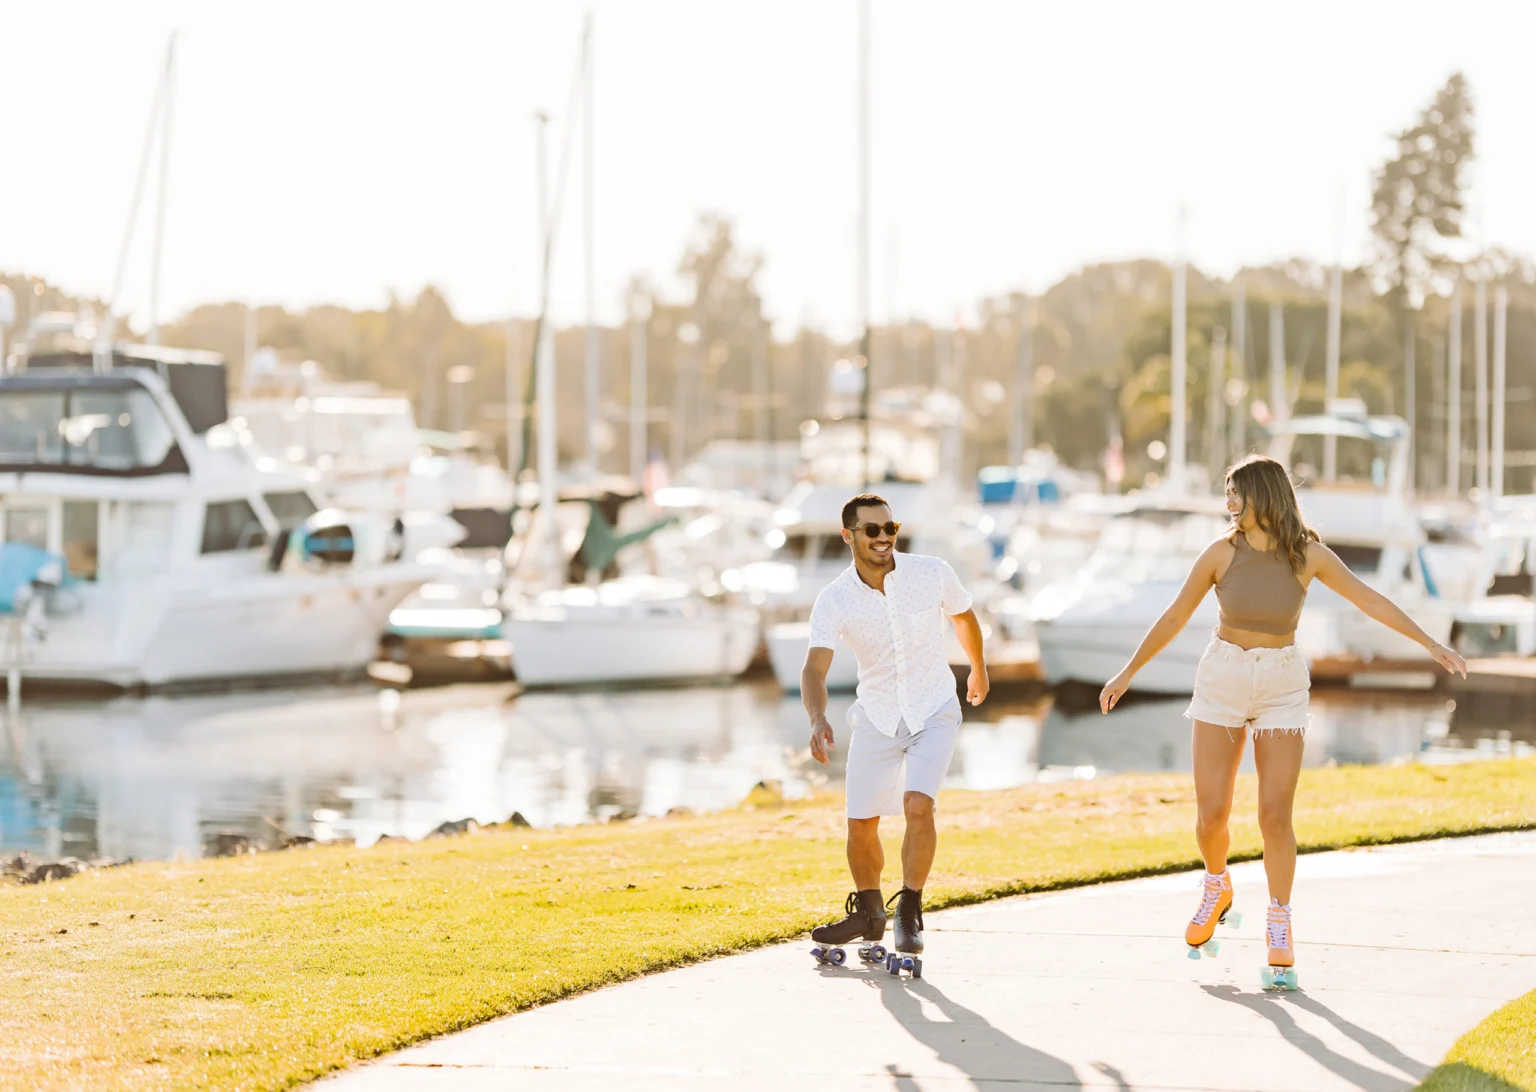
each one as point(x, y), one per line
point(918, 844)
point(928, 756)
point(866, 857)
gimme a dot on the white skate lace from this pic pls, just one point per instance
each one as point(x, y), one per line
point(1280, 927)
point(1208, 899)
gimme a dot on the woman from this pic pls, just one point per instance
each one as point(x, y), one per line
point(1253, 677)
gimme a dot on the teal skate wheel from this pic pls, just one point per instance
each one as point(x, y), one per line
point(1233, 919)
point(1211, 948)
point(1278, 978)
point(1193, 953)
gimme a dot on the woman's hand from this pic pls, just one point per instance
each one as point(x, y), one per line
point(1449, 659)
point(1115, 689)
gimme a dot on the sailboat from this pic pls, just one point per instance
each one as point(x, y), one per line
point(635, 628)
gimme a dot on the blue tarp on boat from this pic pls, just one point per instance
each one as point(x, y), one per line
point(20, 565)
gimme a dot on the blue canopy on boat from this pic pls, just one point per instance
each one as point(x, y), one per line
point(20, 565)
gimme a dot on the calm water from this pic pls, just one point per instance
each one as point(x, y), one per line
point(161, 776)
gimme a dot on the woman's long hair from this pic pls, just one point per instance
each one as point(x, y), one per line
point(1265, 489)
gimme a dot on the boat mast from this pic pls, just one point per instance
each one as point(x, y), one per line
point(1335, 320)
point(1480, 381)
point(863, 257)
point(1176, 421)
point(1215, 426)
point(165, 166)
point(1279, 408)
point(548, 556)
point(1453, 397)
point(639, 331)
point(594, 364)
point(1239, 420)
point(1500, 310)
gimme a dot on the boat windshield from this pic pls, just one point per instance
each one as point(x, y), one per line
point(1143, 547)
point(106, 429)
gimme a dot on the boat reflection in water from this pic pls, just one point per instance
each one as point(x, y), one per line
point(158, 777)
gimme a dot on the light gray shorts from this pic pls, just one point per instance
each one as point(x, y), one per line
point(1261, 689)
point(877, 762)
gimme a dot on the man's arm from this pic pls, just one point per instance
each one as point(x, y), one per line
point(813, 695)
point(968, 629)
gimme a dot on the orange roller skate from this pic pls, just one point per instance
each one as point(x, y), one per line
point(1281, 972)
point(1215, 909)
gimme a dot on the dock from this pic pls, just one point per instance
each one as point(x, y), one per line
point(1515, 675)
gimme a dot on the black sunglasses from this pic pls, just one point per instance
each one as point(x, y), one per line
point(872, 530)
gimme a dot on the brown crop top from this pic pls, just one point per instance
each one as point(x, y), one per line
point(1259, 592)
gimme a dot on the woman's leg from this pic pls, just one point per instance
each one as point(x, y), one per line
point(1277, 756)
point(1217, 753)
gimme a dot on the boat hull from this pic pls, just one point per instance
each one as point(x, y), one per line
point(575, 651)
point(158, 632)
point(787, 646)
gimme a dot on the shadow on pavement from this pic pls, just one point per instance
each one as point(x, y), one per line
point(1387, 1052)
point(966, 1040)
point(1272, 1009)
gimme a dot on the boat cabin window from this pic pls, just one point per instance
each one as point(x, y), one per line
point(1361, 560)
point(116, 428)
point(231, 525)
point(291, 508)
point(27, 525)
point(82, 538)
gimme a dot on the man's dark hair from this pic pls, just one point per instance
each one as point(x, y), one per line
point(863, 500)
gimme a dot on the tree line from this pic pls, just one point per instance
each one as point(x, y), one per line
point(1086, 362)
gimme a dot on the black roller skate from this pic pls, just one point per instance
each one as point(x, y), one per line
point(865, 921)
point(909, 934)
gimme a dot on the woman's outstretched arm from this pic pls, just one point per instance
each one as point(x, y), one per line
point(1172, 621)
point(1337, 576)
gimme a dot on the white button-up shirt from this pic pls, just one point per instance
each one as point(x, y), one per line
point(897, 637)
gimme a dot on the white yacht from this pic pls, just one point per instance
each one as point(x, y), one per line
point(1366, 518)
point(187, 558)
point(363, 451)
point(1088, 624)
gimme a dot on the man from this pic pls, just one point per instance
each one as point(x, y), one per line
point(888, 607)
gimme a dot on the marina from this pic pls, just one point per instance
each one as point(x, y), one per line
point(192, 775)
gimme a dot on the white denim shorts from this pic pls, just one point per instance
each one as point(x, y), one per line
point(1262, 689)
point(876, 761)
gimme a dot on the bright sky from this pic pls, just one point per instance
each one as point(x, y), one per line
point(332, 152)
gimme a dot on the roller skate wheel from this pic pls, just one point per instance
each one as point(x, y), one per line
point(819, 953)
point(874, 953)
point(917, 968)
point(1278, 978)
point(1193, 953)
point(1211, 948)
point(1232, 919)
point(837, 957)
point(892, 965)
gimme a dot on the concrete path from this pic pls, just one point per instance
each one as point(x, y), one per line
point(1401, 949)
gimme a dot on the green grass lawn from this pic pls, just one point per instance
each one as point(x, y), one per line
point(261, 972)
point(1499, 1055)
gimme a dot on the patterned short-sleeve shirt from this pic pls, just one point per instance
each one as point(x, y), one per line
point(897, 637)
